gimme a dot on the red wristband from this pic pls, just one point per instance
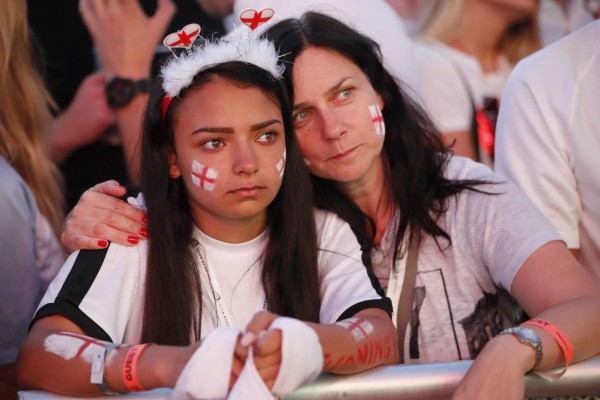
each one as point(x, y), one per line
point(561, 339)
point(130, 368)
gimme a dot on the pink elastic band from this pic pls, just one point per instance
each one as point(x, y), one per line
point(561, 340)
point(130, 368)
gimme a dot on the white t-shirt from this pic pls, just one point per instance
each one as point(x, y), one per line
point(451, 89)
point(554, 23)
point(103, 291)
point(549, 137)
point(377, 19)
point(458, 306)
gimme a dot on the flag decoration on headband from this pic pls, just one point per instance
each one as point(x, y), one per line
point(178, 73)
point(182, 39)
point(253, 19)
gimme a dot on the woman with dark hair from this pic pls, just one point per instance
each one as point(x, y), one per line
point(224, 189)
point(462, 234)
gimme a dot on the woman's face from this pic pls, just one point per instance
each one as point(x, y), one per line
point(337, 116)
point(230, 153)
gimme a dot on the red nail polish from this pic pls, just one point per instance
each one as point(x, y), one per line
point(133, 239)
point(102, 243)
point(144, 233)
point(145, 219)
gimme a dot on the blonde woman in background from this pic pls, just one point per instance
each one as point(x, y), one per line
point(31, 198)
point(482, 40)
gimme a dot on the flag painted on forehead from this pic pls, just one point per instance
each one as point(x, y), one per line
point(281, 164)
point(203, 176)
point(377, 119)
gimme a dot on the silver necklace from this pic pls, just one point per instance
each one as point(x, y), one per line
point(216, 296)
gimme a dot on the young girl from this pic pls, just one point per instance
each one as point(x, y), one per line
point(233, 235)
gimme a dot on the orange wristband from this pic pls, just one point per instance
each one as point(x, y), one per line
point(561, 339)
point(130, 368)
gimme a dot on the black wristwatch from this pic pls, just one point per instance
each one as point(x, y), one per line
point(120, 91)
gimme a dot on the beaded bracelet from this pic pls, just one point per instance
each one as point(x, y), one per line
point(561, 340)
point(130, 368)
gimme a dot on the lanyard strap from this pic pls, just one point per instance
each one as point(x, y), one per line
point(407, 295)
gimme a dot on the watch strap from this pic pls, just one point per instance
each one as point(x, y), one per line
point(529, 337)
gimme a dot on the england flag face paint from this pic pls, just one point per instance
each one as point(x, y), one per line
point(281, 164)
point(203, 176)
point(377, 119)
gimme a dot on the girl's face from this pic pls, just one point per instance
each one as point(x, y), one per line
point(337, 116)
point(230, 153)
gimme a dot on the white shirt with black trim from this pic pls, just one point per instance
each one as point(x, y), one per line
point(103, 291)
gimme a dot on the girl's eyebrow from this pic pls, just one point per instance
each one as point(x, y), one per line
point(255, 127)
point(262, 125)
point(328, 92)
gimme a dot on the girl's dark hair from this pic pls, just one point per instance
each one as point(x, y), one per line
point(413, 150)
point(173, 299)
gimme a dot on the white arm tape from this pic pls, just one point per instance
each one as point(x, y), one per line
point(207, 373)
point(301, 358)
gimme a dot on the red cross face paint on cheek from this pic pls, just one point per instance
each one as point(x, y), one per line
point(203, 176)
point(377, 119)
point(281, 165)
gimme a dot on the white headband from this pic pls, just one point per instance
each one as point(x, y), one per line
point(178, 73)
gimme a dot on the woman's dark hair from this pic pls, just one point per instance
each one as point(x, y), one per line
point(413, 149)
point(173, 299)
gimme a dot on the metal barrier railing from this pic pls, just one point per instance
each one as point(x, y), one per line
point(434, 381)
point(438, 380)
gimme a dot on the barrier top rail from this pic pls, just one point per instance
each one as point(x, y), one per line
point(434, 381)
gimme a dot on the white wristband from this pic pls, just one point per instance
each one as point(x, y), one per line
point(97, 371)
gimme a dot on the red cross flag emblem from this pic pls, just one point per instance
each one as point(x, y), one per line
point(203, 176)
point(377, 119)
point(254, 18)
point(183, 38)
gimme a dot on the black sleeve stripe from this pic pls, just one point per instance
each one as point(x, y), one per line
point(82, 276)
point(78, 283)
point(384, 304)
point(75, 315)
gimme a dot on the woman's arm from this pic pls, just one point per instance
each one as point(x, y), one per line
point(552, 286)
point(53, 359)
point(366, 340)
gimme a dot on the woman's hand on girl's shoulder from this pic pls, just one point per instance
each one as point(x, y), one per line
point(100, 217)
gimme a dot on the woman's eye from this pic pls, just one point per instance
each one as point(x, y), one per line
point(267, 137)
point(212, 144)
point(301, 117)
point(344, 94)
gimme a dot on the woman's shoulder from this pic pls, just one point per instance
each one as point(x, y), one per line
point(9, 177)
point(325, 219)
point(333, 231)
point(463, 168)
point(15, 191)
